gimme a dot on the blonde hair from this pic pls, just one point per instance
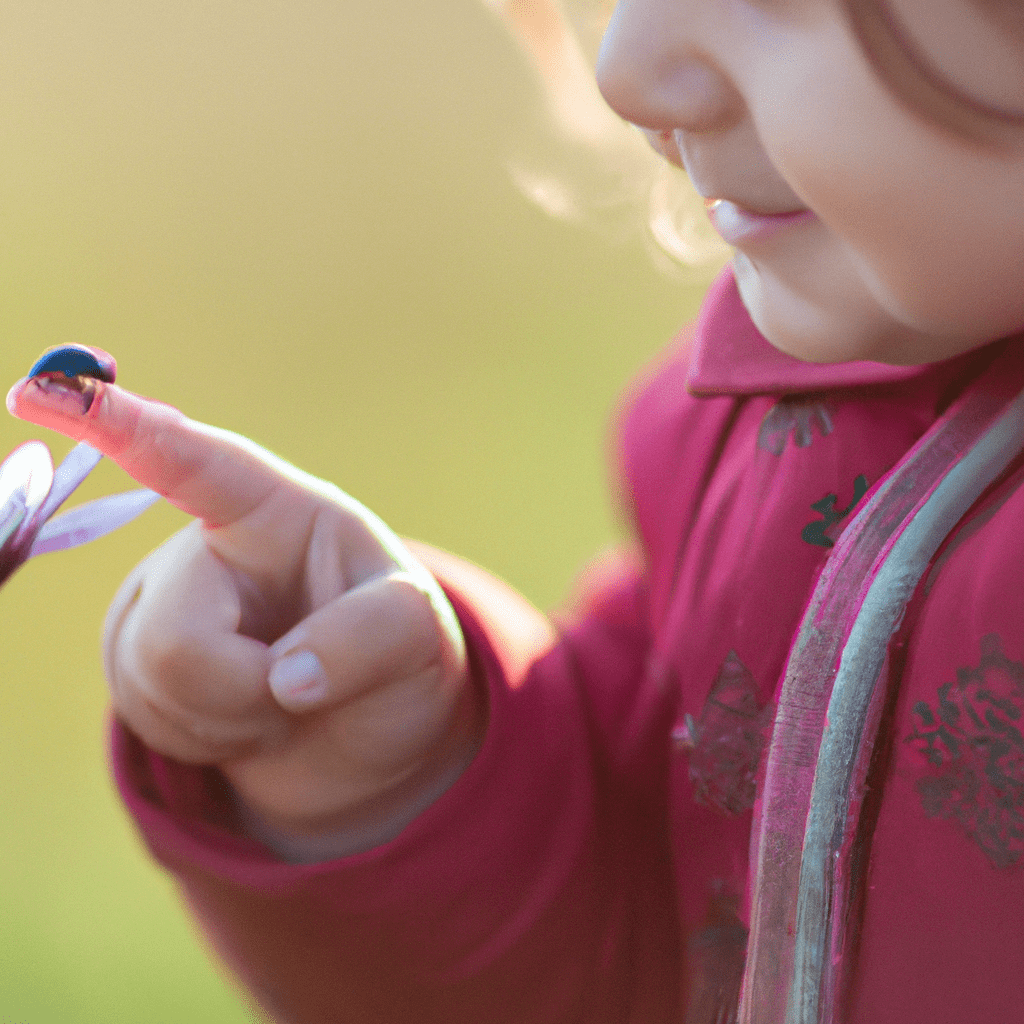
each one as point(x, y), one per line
point(609, 177)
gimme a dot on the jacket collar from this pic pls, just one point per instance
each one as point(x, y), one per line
point(730, 356)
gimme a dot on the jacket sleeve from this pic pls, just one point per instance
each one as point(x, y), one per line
point(538, 888)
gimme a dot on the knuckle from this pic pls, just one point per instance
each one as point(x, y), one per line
point(197, 737)
point(413, 603)
point(169, 658)
point(156, 721)
point(413, 598)
point(432, 622)
point(149, 443)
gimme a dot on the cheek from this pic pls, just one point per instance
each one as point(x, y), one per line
point(948, 261)
point(934, 228)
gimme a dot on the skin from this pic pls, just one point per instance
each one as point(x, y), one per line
point(917, 244)
point(276, 563)
point(914, 254)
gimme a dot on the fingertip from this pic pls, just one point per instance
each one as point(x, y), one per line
point(12, 397)
point(298, 681)
point(51, 402)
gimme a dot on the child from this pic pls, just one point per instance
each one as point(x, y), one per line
point(390, 792)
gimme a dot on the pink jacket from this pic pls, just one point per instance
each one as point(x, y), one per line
point(593, 864)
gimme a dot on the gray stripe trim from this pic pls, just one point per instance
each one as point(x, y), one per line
point(852, 722)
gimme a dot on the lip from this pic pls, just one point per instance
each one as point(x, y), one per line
point(738, 225)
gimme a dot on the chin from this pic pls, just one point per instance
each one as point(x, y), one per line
point(815, 322)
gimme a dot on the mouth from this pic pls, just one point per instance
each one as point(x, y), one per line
point(739, 225)
point(737, 222)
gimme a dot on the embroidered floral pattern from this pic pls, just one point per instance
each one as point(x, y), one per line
point(727, 740)
point(972, 739)
point(715, 957)
point(825, 531)
point(796, 418)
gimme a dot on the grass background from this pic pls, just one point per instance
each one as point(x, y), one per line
point(293, 220)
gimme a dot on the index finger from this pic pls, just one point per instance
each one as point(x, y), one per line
point(213, 474)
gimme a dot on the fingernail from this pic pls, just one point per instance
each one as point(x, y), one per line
point(298, 680)
point(72, 396)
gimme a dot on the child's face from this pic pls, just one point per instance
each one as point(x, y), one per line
point(915, 247)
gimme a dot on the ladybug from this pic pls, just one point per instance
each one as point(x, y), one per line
point(75, 361)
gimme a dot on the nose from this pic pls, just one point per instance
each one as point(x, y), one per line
point(655, 71)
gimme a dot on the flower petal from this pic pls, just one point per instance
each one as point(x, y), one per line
point(26, 476)
point(77, 465)
point(27, 471)
point(12, 515)
point(91, 520)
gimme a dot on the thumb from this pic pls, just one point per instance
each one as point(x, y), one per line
point(390, 628)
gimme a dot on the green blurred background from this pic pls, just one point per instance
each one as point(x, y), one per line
point(292, 220)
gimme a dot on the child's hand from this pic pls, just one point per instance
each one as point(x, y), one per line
point(289, 637)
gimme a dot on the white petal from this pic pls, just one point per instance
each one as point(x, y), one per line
point(91, 520)
point(12, 515)
point(76, 466)
point(28, 473)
